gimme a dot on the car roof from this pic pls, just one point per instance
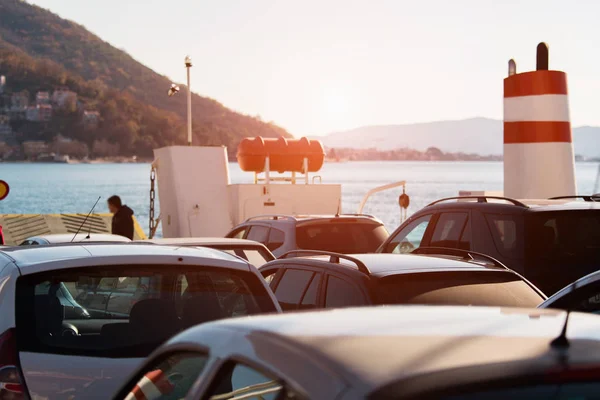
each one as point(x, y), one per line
point(31, 259)
point(376, 346)
point(202, 241)
point(528, 205)
point(302, 218)
point(385, 264)
point(80, 237)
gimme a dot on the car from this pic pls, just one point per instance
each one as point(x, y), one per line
point(255, 253)
point(582, 295)
point(137, 296)
point(551, 242)
point(73, 238)
point(396, 352)
point(311, 279)
point(348, 233)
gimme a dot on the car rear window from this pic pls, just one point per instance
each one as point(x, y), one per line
point(127, 311)
point(554, 236)
point(484, 288)
point(348, 236)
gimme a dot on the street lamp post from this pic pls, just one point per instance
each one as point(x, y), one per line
point(188, 66)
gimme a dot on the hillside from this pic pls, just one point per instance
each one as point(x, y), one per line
point(78, 57)
point(477, 135)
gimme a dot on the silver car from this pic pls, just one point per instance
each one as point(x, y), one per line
point(396, 352)
point(255, 253)
point(344, 233)
point(135, 297)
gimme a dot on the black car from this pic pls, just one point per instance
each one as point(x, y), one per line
point(582, 295)
point(552, 242)
point(312, 279)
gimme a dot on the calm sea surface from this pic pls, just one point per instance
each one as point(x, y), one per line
point(73, 188)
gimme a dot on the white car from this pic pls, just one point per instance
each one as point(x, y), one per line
point(73, 238)
point(133, 297)
point(395, 352)
point(255, 253)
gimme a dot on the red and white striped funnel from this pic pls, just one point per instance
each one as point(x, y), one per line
point(538, 145)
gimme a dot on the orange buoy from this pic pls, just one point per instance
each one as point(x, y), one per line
point(285, 155)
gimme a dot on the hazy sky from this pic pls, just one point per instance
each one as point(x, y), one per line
point(316, 66)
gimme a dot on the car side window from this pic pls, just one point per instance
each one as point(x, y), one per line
point(240, 381)
point(450, 230)
point(341, 293)
point(410, 237)
point(309, 300)
point(170, 379)
point(276, 239)
point(258, 233)
point(504, 232)
point(291, 288)
point(237, 233)
point(270, 276)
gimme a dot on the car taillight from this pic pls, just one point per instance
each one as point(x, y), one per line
point(11, 384)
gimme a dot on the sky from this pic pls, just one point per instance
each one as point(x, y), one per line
point(320, 66)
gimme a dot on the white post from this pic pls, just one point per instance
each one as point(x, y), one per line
point(188, 65)
point(305, 167)
point(267, 170)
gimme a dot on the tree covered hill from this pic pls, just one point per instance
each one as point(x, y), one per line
point(39, 51)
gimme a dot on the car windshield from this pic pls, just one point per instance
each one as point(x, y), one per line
point(485, 288)
point(346, 236)
point(99, 310)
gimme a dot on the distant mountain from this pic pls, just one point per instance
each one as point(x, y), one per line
point(476, 135)
point(68, 53)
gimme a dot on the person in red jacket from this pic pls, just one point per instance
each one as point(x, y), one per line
point(1, 236)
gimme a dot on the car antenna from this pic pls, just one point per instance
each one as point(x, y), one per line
point(561, 341)
point(85, 219)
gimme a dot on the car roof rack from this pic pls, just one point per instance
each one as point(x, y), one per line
point(480, 199)
point(464, 254)
point(272, 217)
point(333, 258)
point(358, 215)
point(592, 198)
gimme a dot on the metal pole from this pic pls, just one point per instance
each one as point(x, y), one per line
point(188, 65)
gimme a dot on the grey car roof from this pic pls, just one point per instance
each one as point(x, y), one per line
point(384, 264)
point(32, 259)
point(202, 241)
point(375, 346)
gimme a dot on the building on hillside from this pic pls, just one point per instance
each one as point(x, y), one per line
point(2, 83)
point(19, 101)
point(42, 98)
point(34, 148)
point(91, 119)
point(39, 113)
point(62, 97)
